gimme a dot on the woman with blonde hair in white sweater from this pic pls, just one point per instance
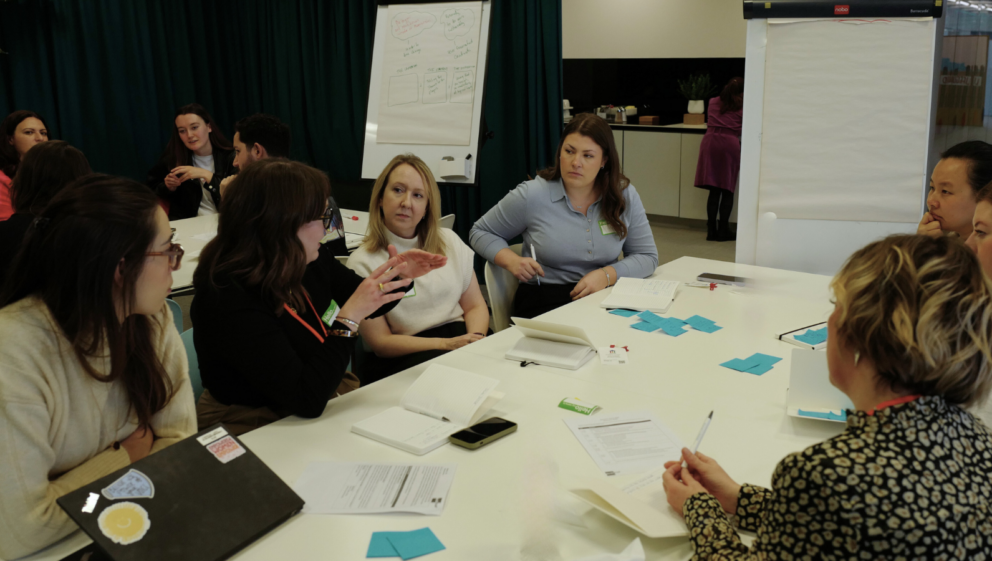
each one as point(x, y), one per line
point(93, 374)
point(445, 310)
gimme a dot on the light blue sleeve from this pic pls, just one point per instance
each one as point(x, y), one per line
point(505, 221)
point(640, 255)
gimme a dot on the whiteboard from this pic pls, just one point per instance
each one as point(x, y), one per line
point(804, 244)
point(377, 155)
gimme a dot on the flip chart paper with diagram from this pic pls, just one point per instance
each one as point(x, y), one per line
point(428, 74)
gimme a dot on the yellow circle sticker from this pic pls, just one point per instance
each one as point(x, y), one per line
point(124, 523)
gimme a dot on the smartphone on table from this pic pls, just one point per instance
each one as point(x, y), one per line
point(721, 279)
point(483, 433)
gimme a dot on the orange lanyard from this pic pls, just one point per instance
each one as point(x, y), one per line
point(891, 402)
point(305, 324)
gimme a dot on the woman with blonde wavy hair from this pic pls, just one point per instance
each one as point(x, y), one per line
point(911, 476)
point(445, 310)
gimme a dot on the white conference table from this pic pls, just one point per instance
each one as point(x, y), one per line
point(509, 494)
point(194, 233)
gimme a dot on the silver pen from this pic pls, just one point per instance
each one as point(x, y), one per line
point(699, 437)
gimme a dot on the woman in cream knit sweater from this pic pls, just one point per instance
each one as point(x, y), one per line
point(93, 375)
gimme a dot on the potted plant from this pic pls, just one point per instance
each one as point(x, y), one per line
point(697, 88)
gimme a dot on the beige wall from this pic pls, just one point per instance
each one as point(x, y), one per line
point(653, 29)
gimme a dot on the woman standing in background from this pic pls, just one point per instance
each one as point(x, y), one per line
point(720, 159)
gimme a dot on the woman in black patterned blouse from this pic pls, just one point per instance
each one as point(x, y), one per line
point(911, 476)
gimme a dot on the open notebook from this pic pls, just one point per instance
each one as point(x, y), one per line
point(551, 344)
point(441, 402)
point(654, 295)
point(641, 505)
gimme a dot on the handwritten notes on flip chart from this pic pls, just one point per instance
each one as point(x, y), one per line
point(428, 74)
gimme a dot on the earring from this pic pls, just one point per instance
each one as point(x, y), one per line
point(602, 167)
point(857, 357)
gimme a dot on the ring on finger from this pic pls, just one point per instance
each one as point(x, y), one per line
point(382, 288)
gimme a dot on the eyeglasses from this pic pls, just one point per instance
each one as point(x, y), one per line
point(328, 218)
point(175, 254)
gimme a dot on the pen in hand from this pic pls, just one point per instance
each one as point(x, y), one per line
point(699, 437)
point(533, 255)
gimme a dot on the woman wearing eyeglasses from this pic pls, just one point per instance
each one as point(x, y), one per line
point(93, 374)
point(275, 314)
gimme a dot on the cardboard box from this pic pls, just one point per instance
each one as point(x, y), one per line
point(693, 119)
point(648, 120)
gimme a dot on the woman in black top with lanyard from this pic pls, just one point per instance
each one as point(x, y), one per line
point(197, 158)
point(275, 314)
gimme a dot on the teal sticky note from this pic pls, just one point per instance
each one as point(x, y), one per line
point(813, 336)
point(380, 546)
point(759, 369)
point(673, 329)
point(416, 543)
point(764, 359)
point(739, 364)
point(645, 326)
point(651, 317)
point(624, 313)
point(829, 415)
point(699, 320)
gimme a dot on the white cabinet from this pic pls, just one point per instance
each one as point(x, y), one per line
point(652, 163)
point(692, 202)
point(618, 140)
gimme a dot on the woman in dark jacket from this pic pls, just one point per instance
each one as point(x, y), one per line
point(197, 158)
point(275, 314)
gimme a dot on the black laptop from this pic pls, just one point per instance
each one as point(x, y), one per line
point(202, 499)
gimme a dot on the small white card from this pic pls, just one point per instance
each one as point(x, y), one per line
point(612, 355)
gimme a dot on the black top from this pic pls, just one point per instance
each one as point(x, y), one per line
point(250, 356)
point(184, 202)
point(12, 233)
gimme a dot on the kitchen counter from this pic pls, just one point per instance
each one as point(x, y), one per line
point(676, 127)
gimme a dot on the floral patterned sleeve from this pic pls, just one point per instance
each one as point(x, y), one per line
point(750, 501)
point(710, 532)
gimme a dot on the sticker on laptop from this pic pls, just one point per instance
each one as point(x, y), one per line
point(211, 436)
point(124, 523)
point(226, 449)
point(131, 485)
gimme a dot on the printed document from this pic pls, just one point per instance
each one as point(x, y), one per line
point(625, 443)
point(360, 488)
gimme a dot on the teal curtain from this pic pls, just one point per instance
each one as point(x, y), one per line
point(108, 76)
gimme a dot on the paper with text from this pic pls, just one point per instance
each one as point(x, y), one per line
point(627, 442)
point(366, 488)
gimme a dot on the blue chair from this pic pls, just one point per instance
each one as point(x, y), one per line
point(177, 313)
point(194, 365)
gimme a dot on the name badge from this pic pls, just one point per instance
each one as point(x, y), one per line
point(331, 313)
point(605, 228)
point(411, 293)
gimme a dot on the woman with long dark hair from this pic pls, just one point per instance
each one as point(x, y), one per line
point(93, 374)
point(19, 132)
point(196, 160)
point(578, 216)
point(275, 314)
point(47, 169)
point(720, 159)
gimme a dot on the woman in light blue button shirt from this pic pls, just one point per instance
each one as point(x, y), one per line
point(577, 217)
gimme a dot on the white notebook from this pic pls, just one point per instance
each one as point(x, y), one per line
point(551, 344)
point(441, 402)
point(654, 295)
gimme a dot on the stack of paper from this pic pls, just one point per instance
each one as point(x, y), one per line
point(756, 364)
point(641, 294)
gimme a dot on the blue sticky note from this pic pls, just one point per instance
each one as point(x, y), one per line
point(645, 326)
point(673, 330)
point(764, 359)
point(651, 317)
point(813, 336)
point(830, 415)
point(380, 546)
point(699, 320)
point(624, 313)
point(706, 328)
point(415, 543)
point(739, 364)
point(759, 369)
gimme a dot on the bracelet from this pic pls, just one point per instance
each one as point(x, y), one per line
point(346, 320)
point(342, 333)
point(607, 277)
